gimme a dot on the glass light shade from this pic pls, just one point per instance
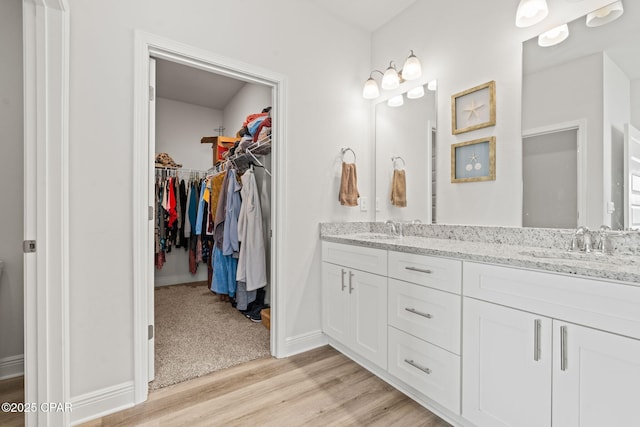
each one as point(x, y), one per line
point(412, 68)
point(604, 15)
point(432, 85)
point(390, 80)
point(530, 12)
point(553, 36)
point(396, 101)
point(370, 90)
point(416, 92)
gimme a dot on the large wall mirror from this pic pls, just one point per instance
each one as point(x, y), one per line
point(580, 104)
point(404, 138)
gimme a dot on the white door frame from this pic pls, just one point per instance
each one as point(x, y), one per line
point(46, 207)
point(581, 126)
point(149, 45)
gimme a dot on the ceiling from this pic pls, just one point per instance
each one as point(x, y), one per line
point(193, 86)
point(368, 15)
point(185, 84)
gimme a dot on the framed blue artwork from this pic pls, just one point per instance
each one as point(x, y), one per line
point(474, 160)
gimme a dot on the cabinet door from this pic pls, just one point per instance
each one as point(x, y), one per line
point(597, 382)
point(334, 302)
point(368, 293)
point(506, 366)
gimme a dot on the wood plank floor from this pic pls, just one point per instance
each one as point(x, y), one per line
point(12, 391)
point(318, 388)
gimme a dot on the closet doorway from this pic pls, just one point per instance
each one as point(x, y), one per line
point(181, 140)
point(198, 331)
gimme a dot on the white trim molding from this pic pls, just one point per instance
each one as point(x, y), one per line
point(46, 207)
point(304, 342)
point(581, 126)
point(12, 366)
point(100, 403)
point(149, 45)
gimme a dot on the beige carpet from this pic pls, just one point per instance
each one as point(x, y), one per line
point(197, 334)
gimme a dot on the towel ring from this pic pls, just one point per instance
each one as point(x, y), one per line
point(344, 150)
point(393, 161)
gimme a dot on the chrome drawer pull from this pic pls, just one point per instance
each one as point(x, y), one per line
point(420, 270)
point(343, 273)
point(419, 313)
point(415, 365)
point(563, 348)
point(350, 277)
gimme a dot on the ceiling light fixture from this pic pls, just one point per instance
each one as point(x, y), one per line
point(392, 78)
point(553, 36)
point(605, 14)
point(530, 12)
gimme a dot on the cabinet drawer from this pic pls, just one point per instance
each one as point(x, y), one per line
point(439, 273)
point(426, 313)
point(609, 306)
point(430, 370)
point(372, 260)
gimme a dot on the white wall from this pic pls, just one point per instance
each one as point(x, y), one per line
point(250, 99)
point(463, 44)
point(179, 128)
point(325, 111)
point(11, 177)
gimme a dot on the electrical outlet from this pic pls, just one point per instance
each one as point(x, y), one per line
point(364, 205)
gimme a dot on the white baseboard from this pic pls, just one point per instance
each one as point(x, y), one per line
point(177, 279)
point(12, 366)
point(304, 342)
point(103, 402)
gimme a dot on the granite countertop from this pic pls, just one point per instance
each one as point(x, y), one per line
point(624, 268)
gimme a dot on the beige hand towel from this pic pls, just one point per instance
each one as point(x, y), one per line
point(399, 189)
point(348, 195)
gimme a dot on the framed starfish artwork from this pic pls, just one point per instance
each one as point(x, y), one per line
point(474, 108)
point(474, 160)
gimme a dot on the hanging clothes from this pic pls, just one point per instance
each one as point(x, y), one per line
point(230, 245)
point(252, 267)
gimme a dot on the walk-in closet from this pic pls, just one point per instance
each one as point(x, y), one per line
point(212, 221)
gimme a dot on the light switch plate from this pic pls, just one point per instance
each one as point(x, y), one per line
point(364, 205)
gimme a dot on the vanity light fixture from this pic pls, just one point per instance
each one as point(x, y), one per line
point(530, 12)
point(392, 78)
point(416, 92)
point(432, 85)
point(395, 101)
point(605, 14)
point(554, 36)
point(370, 90)
point(411, 69)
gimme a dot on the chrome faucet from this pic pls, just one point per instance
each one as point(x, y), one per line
point(583, 232)
point(395, 228)
point(602, 243)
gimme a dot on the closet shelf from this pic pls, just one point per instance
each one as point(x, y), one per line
point(242, 161)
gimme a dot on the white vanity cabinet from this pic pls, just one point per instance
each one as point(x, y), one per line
point(526, 360)
point(354, 299)
point(424, 325)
